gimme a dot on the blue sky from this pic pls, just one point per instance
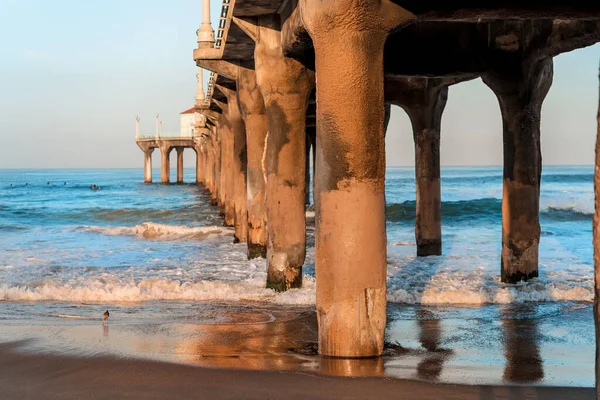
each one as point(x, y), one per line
point(74, 74)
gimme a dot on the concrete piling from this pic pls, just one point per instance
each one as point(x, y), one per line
point(521, 88)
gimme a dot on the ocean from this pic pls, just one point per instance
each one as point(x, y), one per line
point(131, 241)
point(158, 255)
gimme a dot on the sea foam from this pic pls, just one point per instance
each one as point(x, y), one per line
point(151, 230)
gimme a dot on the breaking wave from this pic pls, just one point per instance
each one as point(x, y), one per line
point(467, 210)
point(150, 230)
point(440, 290)
point(158, 289)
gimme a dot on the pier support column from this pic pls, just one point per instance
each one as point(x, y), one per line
point(424, 100)
point(200, 162)
point(311, 135)
point(521, 87)
point(307, 171)
point(237, 143)
point(210, 166)
point(148, 165)
point(179, 164)
point(285, 85)
point(217, 162)
point(225, 174)
point(253, 111)
point(349, 38)
point(165, 165)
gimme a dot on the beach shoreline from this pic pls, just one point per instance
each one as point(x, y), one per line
point(26, 376)
point(529, 345)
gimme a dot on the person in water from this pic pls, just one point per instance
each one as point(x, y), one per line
point(94, 187)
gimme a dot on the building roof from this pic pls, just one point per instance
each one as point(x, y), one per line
point(190, 111)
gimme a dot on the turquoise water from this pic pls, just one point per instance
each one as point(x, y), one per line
point(131, 241)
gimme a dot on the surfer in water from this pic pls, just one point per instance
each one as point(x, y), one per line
point(94, 187)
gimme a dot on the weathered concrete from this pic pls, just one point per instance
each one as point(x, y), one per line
point(238, 138)
point(351, 238)
point(210, 166)
point(311, 136)
point(148, 165)
point(521, 86)
point(200, 164)
point(179, 151)
point(424, 100)
point(165, 165)
point(225, 170)
point(307, 170)
point(285, 85)
point(253, 112)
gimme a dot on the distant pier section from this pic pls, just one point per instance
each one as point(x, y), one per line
point(190, 135)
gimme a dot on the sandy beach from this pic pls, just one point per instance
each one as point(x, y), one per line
point(38, 376)
point(259, 351)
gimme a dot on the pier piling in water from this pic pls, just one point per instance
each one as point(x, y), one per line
point(424, 100)
point(286, 85)
point(521, 88)
point(165, 165)
point(179, 164)
point(252, 108)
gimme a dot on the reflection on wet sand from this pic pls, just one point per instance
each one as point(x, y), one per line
point(430, 368)
point(250, 343)
point(521, 344)
point(497, 345)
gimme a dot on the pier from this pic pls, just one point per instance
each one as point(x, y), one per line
point(290, 76)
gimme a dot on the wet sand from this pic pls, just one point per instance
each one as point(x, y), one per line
point(38, 376)
point(266, 351)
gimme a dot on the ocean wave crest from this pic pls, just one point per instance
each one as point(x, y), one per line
point(451, 293)
point(158, 289)
point(467, 210)
point(151, 230)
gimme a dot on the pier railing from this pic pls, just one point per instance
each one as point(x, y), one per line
point(218, 43)
point(163, 135)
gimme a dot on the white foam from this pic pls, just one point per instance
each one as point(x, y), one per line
point(157, 289)
point(151, 230)
point(582, 204)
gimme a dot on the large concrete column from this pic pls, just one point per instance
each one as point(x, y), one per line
point(200, 162)
point(210, 166)
point(165, 166)
point(253, 111)
point(424, 101)
point(311, 134)
point(217, 164)
point(351, 237)
point(226, 182)
point(238, 173)
point(285, 85)
point(307, 170)
point(148, 165)
point(521, 87)
point(179, 164)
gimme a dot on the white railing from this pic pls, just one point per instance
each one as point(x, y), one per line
point(218, 43)
point(164, 135)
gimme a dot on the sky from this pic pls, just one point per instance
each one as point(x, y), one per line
point(74, 74)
